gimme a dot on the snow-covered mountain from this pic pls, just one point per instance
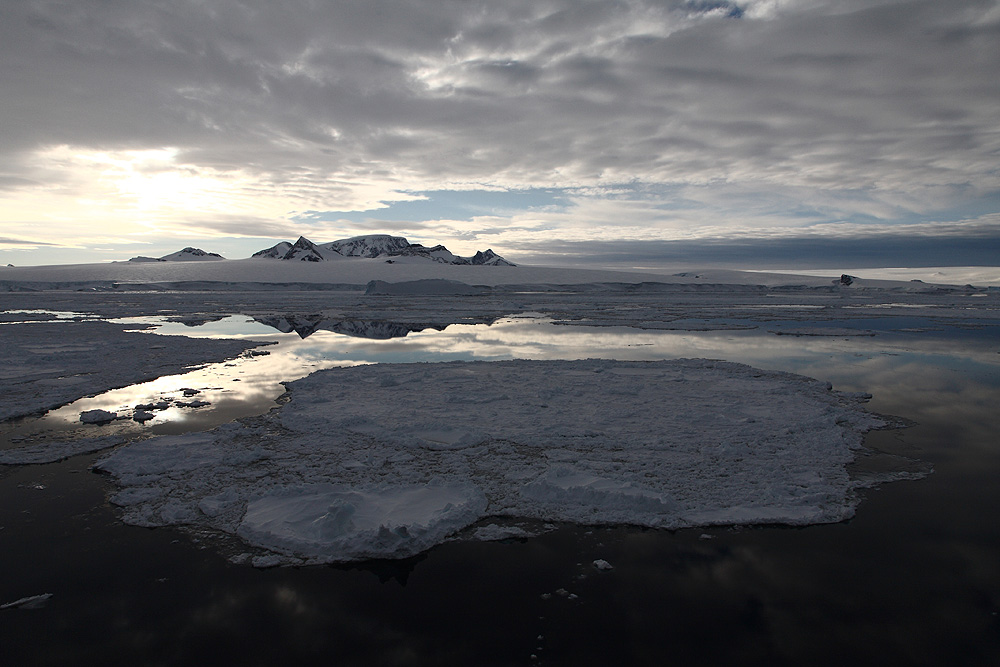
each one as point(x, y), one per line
point(276, 251)
point(303, 250)
point(488, 258)
point(186, 255)
point(372, 245)
point(375, 245)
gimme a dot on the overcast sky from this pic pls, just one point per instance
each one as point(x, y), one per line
point(549, 130)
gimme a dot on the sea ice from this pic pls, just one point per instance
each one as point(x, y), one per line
point(97, 416)
point(387, 460)
point(47, 364)
point(360, 523)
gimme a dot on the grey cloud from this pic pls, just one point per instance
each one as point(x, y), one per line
point(23, 242)
point(389, 226)
point(896, 96)
point(10, 182)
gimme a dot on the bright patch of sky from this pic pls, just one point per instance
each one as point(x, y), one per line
point(451, 205)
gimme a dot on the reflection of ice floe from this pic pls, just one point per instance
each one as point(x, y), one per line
point(385, 460)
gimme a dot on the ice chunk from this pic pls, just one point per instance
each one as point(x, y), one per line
point(98, 416)
point(322, 520)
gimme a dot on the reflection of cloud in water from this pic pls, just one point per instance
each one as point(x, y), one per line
point(902, 371)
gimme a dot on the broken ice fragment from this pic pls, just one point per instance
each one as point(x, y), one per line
point(98, 416)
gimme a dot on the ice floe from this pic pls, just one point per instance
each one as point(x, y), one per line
point(98, 416)
point(387, 460)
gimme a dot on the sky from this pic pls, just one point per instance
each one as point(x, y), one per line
point(758, 132)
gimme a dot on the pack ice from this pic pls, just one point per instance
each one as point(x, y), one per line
point(384, 461)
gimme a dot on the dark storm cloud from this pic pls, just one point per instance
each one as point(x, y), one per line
point(897, 97)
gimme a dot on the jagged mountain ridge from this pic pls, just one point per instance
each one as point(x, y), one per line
point(372, 246)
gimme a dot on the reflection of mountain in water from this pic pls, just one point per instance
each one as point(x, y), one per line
point(303, 325)
point(307, 325)
point(369, 329)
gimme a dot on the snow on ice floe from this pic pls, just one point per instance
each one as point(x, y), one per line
point(387, 460)
point(98, 416)
point(355, 523)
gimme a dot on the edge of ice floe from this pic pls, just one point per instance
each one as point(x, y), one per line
point(327, 495)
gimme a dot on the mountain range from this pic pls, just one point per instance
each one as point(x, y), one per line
point(374, 245)
point(393, 248)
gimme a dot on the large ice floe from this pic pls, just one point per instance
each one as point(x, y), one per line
point(388, 460)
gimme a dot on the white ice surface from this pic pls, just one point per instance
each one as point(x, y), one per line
point(387, 460)
point(326, 519)
point(359, 271)
point(97, 416)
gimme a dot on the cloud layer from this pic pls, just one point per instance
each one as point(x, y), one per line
point(663, 119)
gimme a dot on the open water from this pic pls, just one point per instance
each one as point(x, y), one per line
point(914, 578)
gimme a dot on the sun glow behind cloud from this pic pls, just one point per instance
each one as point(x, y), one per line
point(85, 196)
point(674, 120)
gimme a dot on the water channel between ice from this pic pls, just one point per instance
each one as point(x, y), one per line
point(218, 393)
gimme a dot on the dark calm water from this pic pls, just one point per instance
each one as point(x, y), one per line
point(914, 578)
